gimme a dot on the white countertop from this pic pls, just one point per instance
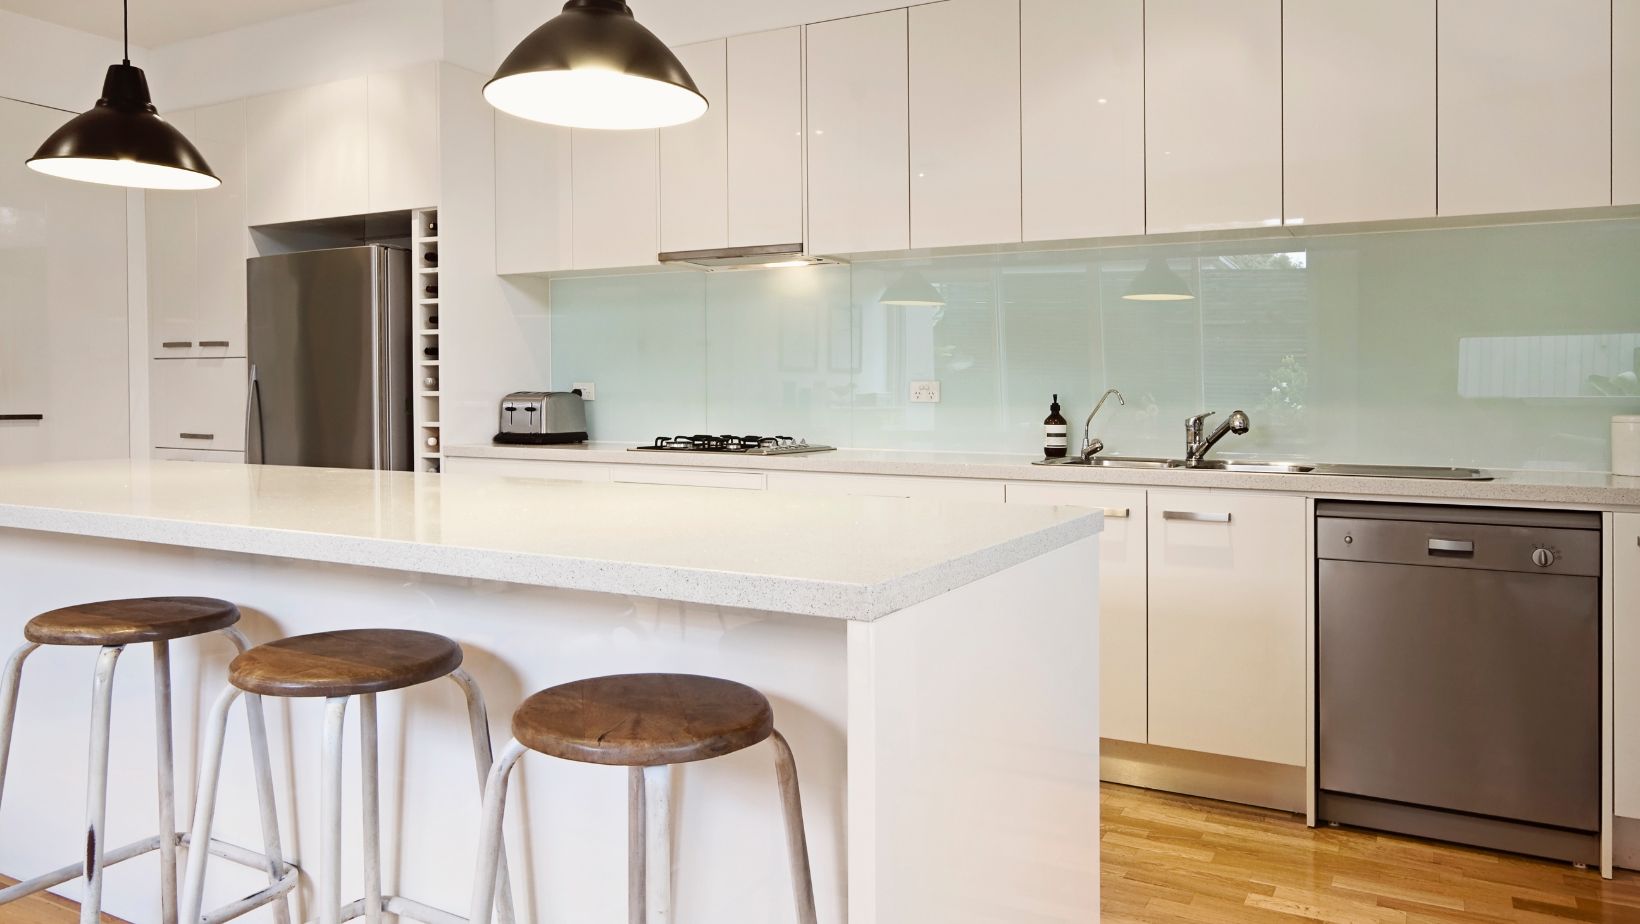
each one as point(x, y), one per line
point(851, 558)
point(1595, 490)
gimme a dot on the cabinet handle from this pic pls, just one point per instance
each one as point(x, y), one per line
point(213, 343)
point(22, 417)
point(1461, 546)
point(177, 344)
point(197, 436)
point(1191, 516)
point(1116, 513)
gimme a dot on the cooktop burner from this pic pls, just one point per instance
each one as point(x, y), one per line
point(749, 445)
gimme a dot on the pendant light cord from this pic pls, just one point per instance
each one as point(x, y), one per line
point(126, 6)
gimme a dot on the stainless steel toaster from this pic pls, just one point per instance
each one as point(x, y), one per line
point(543, 417)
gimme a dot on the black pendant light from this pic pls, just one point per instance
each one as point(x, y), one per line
point(1158, 283)
point(122, 141)
point(595, 66)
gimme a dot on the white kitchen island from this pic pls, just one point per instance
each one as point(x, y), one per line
point(933, 665)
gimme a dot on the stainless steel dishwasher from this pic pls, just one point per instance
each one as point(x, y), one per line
point(1458, 674)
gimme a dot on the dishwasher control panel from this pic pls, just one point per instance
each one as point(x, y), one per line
point(1490, 546)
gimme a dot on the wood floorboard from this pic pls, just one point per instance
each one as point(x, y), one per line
point(1168, 859)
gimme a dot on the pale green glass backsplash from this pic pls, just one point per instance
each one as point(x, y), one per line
point(1507, 347)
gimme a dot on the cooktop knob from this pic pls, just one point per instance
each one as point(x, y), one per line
point(1543, 558)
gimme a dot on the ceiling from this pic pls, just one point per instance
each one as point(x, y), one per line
point(161, 22)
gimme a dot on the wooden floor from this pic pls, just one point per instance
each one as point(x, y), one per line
point(1176, 860)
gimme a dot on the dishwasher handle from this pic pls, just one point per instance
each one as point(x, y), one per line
point(1451, 547)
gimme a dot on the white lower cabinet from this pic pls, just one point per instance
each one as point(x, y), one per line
point(198, 404)
point(1123, 629)
point(1227, 617)
point(527, 468)
point(906, 486)
point(1626, 676)
point(687, 477)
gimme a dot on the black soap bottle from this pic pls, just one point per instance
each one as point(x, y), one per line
point(1055, 432)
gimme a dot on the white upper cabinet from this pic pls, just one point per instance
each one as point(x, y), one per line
point(1082, 76)
point(965, 123)
point(1525, 105)
point(1625, 102)
point(403, 139)
point(695, 159)
point(1212, 114)
point(615, 196)
point(533, 215)
point(858, 134)
point(765, 104)
point(309, 153)
point(1359, 90)
point(197, 244)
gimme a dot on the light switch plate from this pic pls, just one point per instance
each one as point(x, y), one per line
point(589, 391)
point(925, 392)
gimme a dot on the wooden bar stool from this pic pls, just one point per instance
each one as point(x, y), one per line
point(111, 625)
point(339, 666)
point(647, 723)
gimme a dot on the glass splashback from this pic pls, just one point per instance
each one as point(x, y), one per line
point(1506, 347)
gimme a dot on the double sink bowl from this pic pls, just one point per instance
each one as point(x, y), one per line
point(1258, 467)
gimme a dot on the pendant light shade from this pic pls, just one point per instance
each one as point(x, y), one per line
point(911, 289)
point(1158, 283)
point(122, 141)
point(595, 66)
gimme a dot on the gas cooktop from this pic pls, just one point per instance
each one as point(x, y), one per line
point(746, 445)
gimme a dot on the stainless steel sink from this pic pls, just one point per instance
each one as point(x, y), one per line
point(1259, 466)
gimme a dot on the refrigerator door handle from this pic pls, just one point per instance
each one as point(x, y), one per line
point(253, 404)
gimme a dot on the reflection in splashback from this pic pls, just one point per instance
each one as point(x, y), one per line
point(1507, 347)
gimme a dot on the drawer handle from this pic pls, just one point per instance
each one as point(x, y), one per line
point(197, 436)
point(1191, 516)
point(1457, 546)
point(177, 344)
point(22, 417)
point(213, 343)
point(1116, 513)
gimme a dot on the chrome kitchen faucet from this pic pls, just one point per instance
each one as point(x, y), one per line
point(1197, 446)
point(1092, 446)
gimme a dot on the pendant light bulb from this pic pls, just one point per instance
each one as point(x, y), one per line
point(595, 66)
point(122, 141)
point(1157, 282)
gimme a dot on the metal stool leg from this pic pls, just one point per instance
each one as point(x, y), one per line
point(262, 766)
point(636, 899)
point(330, 811)
point(164, 772)
point(797, 847)
point(96, 789)
point(484, 758)
point(210, 772)
point(657, 870)
point(489, 832)
point(9, 682)
point(370, 784)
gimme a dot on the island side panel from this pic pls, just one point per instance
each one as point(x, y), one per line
point(566, 822)
point(973, 763)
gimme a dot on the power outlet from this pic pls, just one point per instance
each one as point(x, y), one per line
point(589, 391)
point(925, 392)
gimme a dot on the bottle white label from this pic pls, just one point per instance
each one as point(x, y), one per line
point(1055, 437)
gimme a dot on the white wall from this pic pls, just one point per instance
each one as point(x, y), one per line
point(51, 65)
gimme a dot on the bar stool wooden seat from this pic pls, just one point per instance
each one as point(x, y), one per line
point(648, 723)
point(339, 666)
point(111, 625)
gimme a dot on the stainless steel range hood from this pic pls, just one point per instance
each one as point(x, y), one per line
point(762, 256)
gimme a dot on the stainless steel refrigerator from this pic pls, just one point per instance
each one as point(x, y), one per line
point(330, 359)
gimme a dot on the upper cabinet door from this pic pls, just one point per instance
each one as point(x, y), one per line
point(615, 191)
point(766, 138)
point(858, 197)
point(309, 154)
point(532, 207)
point(965, 123)
point(1083, 119)
point(223, 242)
point(1212, 114)
point(1625, 102)
point(276, 157)
point(1525, 105)
point(173, 256)
point(403, 139)
point(695, 159)
point(1360, 135)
